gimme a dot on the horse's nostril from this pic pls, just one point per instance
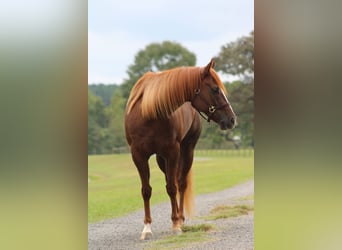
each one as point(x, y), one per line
point(232, 120)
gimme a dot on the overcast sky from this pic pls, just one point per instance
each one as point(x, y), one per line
point(119, 29)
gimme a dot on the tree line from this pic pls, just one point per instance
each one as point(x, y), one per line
point(106, 103)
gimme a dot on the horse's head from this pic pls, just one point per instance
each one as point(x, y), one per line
point(210, 98)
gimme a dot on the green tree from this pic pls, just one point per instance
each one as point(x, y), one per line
point(241, 97)
point(97, 121)
point(116, 112)
point(157, 57)
point(105, 91)
point(237, 58)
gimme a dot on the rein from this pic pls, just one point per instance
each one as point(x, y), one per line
point(211, 109)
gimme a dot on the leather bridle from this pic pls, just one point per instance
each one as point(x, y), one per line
point(211, 108)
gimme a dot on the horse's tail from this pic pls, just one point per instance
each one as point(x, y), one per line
point(189, 204)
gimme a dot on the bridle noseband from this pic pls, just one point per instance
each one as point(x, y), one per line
point(211, 109)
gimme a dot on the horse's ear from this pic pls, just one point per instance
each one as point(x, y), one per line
point(212, 63)
point(207, 68)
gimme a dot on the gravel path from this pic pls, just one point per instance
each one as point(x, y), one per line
point(233, 233)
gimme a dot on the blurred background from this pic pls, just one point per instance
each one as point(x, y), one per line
point(43, 106)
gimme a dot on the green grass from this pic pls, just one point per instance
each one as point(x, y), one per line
point(197, 228)
point(196, 233)
point(224, 212)
point(246, 198)
point(114, 183)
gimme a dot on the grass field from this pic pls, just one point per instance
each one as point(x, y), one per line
point(114, 184)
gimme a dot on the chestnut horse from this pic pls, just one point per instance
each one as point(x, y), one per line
point(161, 119)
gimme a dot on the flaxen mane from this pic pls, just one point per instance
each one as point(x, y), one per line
point(163, 92)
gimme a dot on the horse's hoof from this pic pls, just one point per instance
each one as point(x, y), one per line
point(147, 232)
point(146, 236)
point(177, 231)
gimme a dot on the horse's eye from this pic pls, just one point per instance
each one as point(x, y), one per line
point(215, 90)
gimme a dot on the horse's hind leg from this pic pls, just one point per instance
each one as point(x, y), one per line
point(186, 199)
point(185, 182)
point(179, 177)
point(141, 162)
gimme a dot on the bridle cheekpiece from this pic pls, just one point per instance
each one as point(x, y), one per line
point(211, 108)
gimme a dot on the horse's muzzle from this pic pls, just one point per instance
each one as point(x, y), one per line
point(228, 123)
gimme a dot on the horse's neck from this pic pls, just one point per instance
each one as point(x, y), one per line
point(178, 90)
point(188, 93)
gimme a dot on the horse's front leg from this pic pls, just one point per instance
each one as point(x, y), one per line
point(171, 188)
point(141, 162)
